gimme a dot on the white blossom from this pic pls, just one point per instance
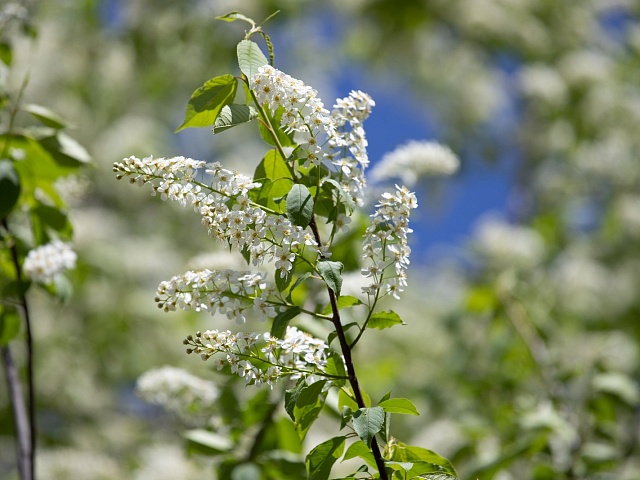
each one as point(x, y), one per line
point(505, 244)
point(416, 159)
point(386, 243)
point(177, 390)
point(42, 264)
point(261, 358)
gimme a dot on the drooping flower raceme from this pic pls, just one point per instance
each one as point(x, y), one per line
point(337, 137)
point(261, 358)
point(386, 244)
point(227, 212)
point(42, 264)
point(416, 159)
point(227, 292)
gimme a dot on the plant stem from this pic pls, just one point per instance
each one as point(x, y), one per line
point(30, 376)
point(20, 420)
point(348, 360)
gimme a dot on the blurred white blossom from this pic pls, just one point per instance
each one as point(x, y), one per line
point(506, 244)
point(74, 464)
point(42, 264)
point(415, 159)
point(177, 390)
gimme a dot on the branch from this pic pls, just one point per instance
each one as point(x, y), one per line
point(346, 352)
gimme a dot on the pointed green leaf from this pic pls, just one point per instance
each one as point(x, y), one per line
point(207, 101)
point(299, 205)
point(345, 301)
point(6, 54)
point(232, 115)
point(250, 58)
point(399, 405)
point(321, 458)
point(360, 449)
point(335, 366)
point(46, 116)
point(65, 150)
point(344, 197)
point(282, 138)
point(275, 179)
point(9, 187)
point(291, 397)
point(282, 320)
point(382, 320)
point(233, 16)
point(367, 422)
point(424, 460)
point(207, 442)
point(331, 273)
point(308, 406)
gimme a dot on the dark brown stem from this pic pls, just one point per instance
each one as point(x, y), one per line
point(348, 360)
point(30, 454)
point(20, 419)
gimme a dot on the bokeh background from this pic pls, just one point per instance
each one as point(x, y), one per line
point(521, 349)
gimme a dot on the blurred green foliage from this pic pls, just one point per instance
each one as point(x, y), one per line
point(523, 365)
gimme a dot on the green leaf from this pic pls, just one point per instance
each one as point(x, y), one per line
point(308, 406)
point(359, 449)
point(283, 138)
point(233, 16)
point(250, 58)
point(66, 151)
point(335, 366)
point(232, 115)
point(274, 175)
point(207, 102)
point(291, 397)
point(6, 54)
point(207, 442)
point(345, 301)
point(9, 324)
point(425, 461)
point(382, 320)
point(344, 400)
point(331, 273)
point(46, 116)
point(246, 471)
point(299, 280)
point(299, 205)
point(282, 320)
point(399, 405)
point(10, 187)
point(343, 196)
point(321, 458)
point(367, 422)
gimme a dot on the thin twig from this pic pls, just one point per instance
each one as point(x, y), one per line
point(20, 420)
point(29, 344)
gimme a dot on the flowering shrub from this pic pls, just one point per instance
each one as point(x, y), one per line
point(316, 169)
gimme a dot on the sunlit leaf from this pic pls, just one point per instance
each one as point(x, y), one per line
point(359, 449)
point(345, 301)
point(382, 320)
point(250, 58)
point(207, 442)
point(282, 320)
point(46, 116)
point(207, 102)
point(399, 405)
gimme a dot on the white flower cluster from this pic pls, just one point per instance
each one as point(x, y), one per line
point(337, 137)
point(506, 245)
point(177, 390)
point(298, 355)
point(42, 264)
point(226, 210)
point(386, 243)
point(227, 292)
point(416, 159)
point(351, 111)
point(304, 112)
